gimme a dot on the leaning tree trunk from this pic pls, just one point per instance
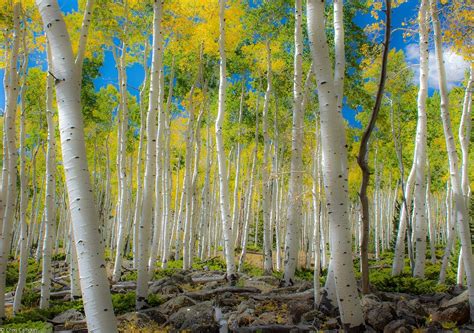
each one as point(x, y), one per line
point(221, 158)
point(295, 200)
point(84, 216)
point(461, 210)
point(150, 162)
point(334, 170)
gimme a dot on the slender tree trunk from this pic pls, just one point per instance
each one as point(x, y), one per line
point(461, 211)
point(420, 147)
point(221, 160)
point(266, 180)
point(363, 152)
point(334, 171)
point(84, 216)
point(10, 177)
point(150, 163)
point(295, 200)
point(23, 239)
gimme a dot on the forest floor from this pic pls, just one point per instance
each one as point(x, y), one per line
point(201, 300)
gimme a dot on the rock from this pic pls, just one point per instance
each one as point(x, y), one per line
point(171, 290)
point(246, 305)
point(197, 318)
point(227, 299)
point(243, 319)
point(458, 313)
point(303, 286)
point(297, 308)
point(266, 318)
point(394, 297)
point(136, 321)
point(259, 284)
point(313, 317)
point(413, 311)
point(397, 326)
point(174, 304)
point(378, 315)
point(464, 297)
point(331, 324)
point(268, 280)
point(68, 315)
point(156, 315)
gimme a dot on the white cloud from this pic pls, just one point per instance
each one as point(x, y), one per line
point(455, 66)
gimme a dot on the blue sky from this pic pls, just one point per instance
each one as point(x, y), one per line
point(135, 72)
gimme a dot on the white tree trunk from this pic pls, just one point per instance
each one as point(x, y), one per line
point(461, 211)
point(84, 216)
point(334, 170)
point(420, 157)
point(266, 179)
point(150, 162)
point(9, 193)
point(295, 199)
point(221, 159)
point(23, 239)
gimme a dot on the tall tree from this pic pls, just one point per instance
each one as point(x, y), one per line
point(334, 169)
point(84, 216)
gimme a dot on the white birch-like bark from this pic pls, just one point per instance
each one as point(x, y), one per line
point(122, 198)
point(84, 215)
point(235, 204)
point(10, 177)
point(50, 207)
point(23, 239)
point(150, 162)
point(420, 158)
point(399, 255)
point(168, 182)
point(334, 169)
point(465, 135)
point(461, 210)
point(266, 179)
point(224, 203)
point(158, 218)
point(139, 192)
point(295, 200)
point(188, 182)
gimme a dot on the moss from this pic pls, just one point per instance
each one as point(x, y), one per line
point(29, 326)
point(59, 256)
point(123, 303)
point(43, 314)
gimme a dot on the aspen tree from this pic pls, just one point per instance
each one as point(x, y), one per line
point(334, 170)
point(461, 211)
point(23, 240)
point(150, 162)
point(84, 216)
point(10, 176)
point(221, 159)
point(420, 147)
point(294, 214)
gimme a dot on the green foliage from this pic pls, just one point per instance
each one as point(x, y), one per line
point(33, 272)
point(123, 303)
point(37, 314)
point(59, 256)
point(29, 326)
